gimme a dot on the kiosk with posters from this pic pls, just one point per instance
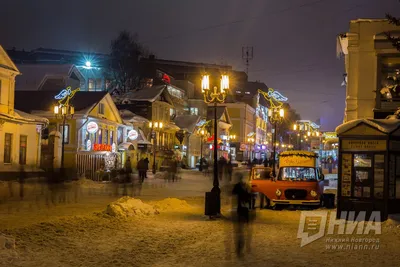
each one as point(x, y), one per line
point(369, 166)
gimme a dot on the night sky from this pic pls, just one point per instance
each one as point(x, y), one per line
point(294, 40)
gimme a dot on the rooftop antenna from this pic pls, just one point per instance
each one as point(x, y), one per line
point(247, 55)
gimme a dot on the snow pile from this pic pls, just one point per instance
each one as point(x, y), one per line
point(171, 204)
point(128, 206)
point(393, 221)
point(6, 242)
point(87, 183)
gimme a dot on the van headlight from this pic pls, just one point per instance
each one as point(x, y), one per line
point(278, 193)
point(313, 193)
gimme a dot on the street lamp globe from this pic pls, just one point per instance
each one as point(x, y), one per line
point(88, 64)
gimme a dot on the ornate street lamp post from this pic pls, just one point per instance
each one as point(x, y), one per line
point(275, 116)
point(64, 112)
point(154, 126)
point(215, 96)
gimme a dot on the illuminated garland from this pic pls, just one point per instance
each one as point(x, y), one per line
point(299, 154)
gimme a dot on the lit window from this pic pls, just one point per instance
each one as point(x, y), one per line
point(111, 137)
point(171, 111)
point(194, 111)
point(101, 108)
point(247, 93)
point(91, 85)
point(238, 92)
point(23, 139)
point(99, 136)
point(7, 147)
point(106, 137)
point(66, 133)
point(98, 83)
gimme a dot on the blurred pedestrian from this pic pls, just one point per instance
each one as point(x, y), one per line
point(330, 163)
point(173, 168)
point(142, 167)
point(147, 162)
point(244, 214)
point(22, 176)
point(229, 169)
point(221, 167)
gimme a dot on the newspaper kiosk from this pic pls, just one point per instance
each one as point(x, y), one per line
point(369, 166)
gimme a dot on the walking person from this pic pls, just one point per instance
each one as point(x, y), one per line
point(330, 163)
point(147, 162)
point(173, 168)
point(244, 214)
point(142, 169)
point(229, 170)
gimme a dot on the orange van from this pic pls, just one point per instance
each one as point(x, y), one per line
point(299, 181)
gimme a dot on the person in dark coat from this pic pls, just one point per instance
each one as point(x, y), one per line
point(244, 214)
point(229, 170)
point(142, 169)
point(147, 162)
point(221, 167)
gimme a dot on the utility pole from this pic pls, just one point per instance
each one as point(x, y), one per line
point(247, 55)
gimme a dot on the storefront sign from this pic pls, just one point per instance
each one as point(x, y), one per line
point(88, 145)
point(363, 145)
point(329, 135)
point(142, 146)
point(92, 127)
point(133, 135)
point(297, 161)
point(346, 175)
point(102, 147)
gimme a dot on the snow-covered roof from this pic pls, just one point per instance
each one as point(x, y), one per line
point(129, 116)
point(30, 117)
point(187, 122)
point(383, 125)
point(145, 94)
point(368, 20)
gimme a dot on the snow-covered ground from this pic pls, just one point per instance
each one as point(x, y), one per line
point(169, 232)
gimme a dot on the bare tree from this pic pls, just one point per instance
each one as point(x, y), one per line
point(395, 40)
point(126, 52)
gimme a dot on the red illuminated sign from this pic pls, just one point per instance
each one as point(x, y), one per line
point(166, 78)
point(102, 147)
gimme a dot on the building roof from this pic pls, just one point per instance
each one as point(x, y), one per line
point(34, 75)
point(149, 94)
point(186, 63)
point(187, 122)
point(6, 62)
point(129, 116)
point(384, 125)
point(29, 101)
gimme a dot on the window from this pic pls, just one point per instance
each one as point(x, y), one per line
point(99, 137)
point(98, 84)
point(91, 85)
point(108, 84)
point(194, 111)
point(238, 92)
point(66, 133)
point(120, 135)
point(106, 137)
point(261, 174)
point(101, 108)
point(363, 177)
point(389, 77)
point(23, 139)
point(297, 174)
point(171, 112)
point(7, 147)
point(111, 137)
point(247, 93)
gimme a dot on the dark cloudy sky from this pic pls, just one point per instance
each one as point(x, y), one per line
point(294, 40)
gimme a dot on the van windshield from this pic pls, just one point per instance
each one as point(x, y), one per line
point(297, 174)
